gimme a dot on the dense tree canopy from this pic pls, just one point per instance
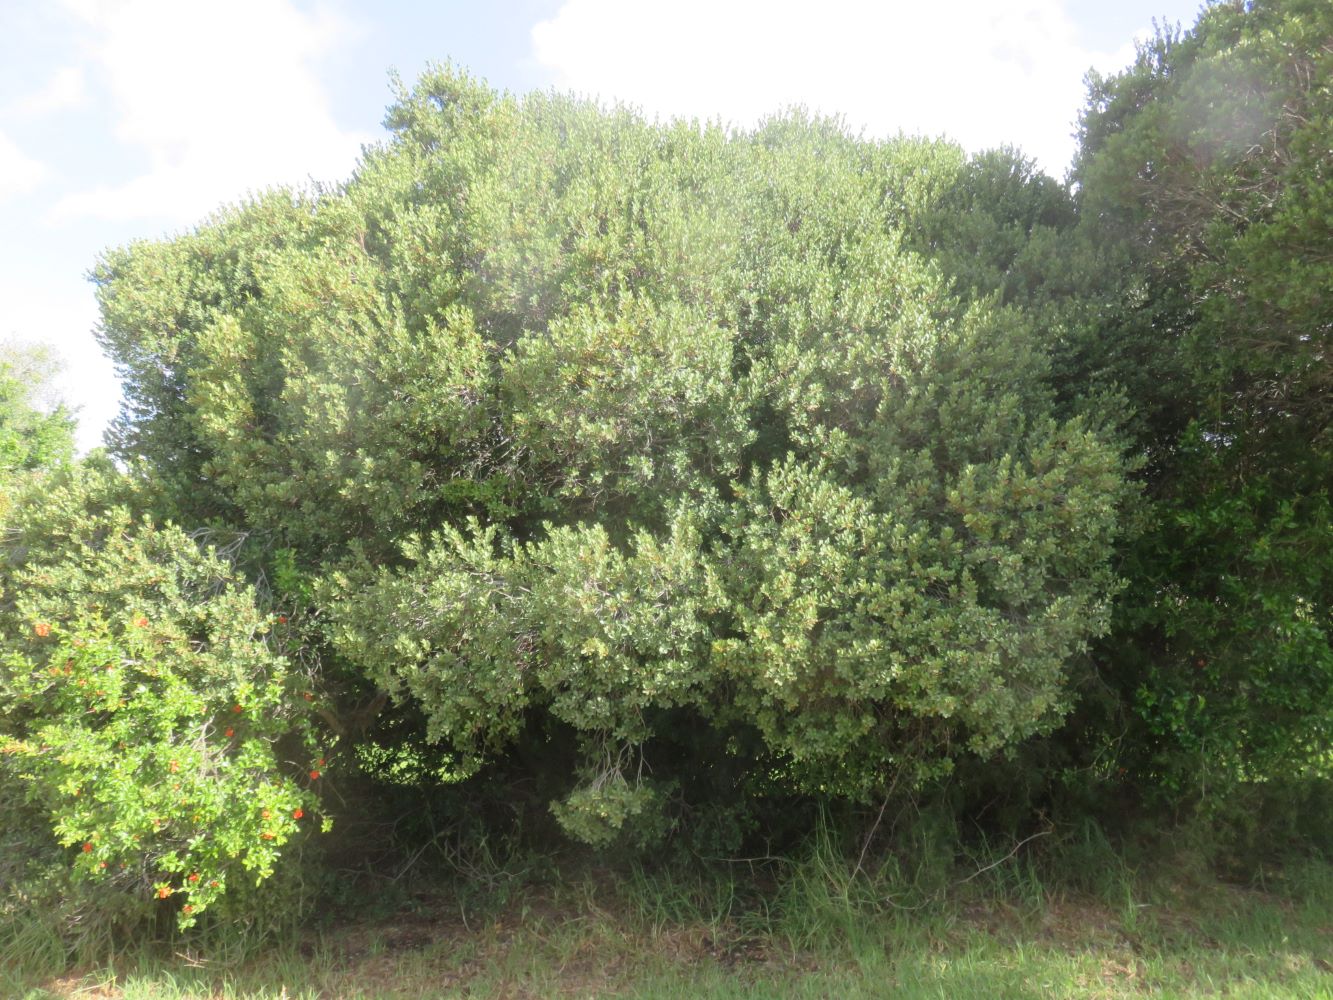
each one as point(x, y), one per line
point(1205, 172)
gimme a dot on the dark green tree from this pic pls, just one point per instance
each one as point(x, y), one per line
point(1206, 196)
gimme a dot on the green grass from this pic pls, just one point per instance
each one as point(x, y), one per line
point(817, 928)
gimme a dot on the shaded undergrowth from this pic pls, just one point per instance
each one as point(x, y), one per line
point(1063, 913)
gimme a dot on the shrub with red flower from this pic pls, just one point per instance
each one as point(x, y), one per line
point(107, 709)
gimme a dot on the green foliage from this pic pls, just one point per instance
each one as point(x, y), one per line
point(999, 226)
point(295, 400)
point(598, 420)
point(1204, 173)
point(32, 436)
point(148, 710)
point(617, 415)
point(677, 479)
point(800, 491)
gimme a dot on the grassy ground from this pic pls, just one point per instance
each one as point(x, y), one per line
point(819, 933)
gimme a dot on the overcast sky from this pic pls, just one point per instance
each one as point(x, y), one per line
point(130, 119)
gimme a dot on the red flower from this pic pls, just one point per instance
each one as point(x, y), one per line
point(237, 708)
point(282, 619)
point(267, 836)
point(164, 892)
point(297, 813)
point(230, 732)
point(187, 907)
point(87, 848)
point(42, 629)
point(194, 876)
point(140, 622)
point(314, 775)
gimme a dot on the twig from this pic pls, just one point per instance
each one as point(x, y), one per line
point(996, 864)
point(865, 847)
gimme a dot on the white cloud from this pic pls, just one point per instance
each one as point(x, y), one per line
point(19, 173)
point(984, 72)
point(63, 91)
point(222, 98)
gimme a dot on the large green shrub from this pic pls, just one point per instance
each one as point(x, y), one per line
point(581, 419)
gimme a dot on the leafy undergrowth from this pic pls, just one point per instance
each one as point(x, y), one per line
point(643, 936)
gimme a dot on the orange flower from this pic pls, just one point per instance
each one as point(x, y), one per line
point(282, 619)
point(230, 733)
point(264, 814)
point(314, 775)
point(87, 848)
point(213, 884)
point(193, 876)
point(163, 892)
point(297, 813)
point(187, 908)
point(237, 708)
point(267, 836)
point(173, 767)
point(140, 622)
point(42, 629)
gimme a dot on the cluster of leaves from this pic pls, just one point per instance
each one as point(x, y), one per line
point(146, 703)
